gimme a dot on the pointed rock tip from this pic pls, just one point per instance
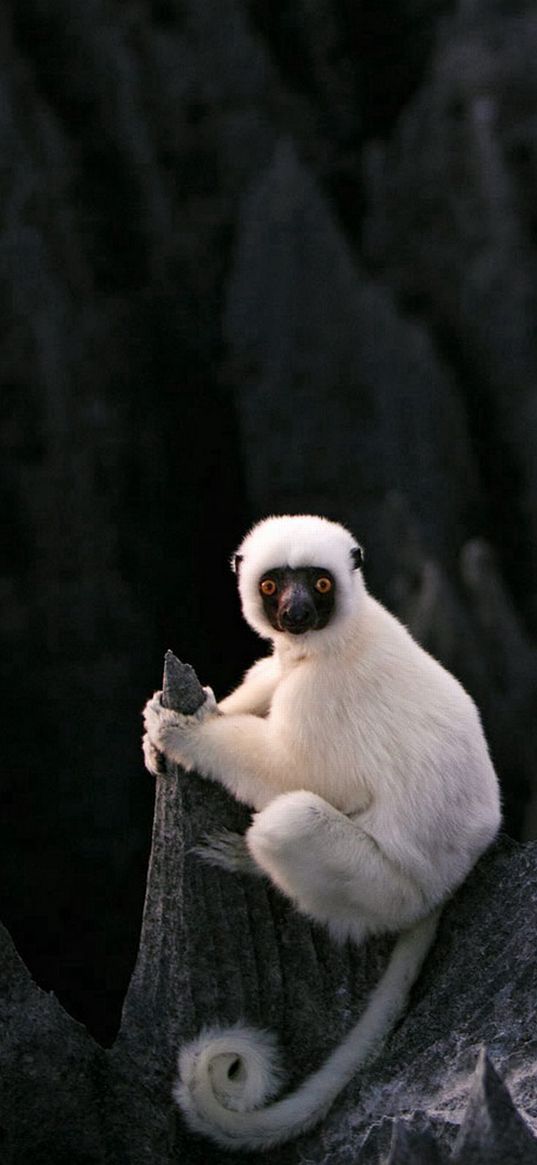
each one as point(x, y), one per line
point(181, 689)
point(493, 1130)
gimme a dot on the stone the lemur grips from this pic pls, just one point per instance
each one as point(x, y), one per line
point(181, 689)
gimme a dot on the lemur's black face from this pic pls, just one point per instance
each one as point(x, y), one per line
point(298, 600)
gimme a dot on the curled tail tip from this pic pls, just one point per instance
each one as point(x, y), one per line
point(226, 1070)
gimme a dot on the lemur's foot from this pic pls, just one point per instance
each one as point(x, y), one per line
point(229, 851)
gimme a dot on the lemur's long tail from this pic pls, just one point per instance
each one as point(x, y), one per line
point(226, 1075)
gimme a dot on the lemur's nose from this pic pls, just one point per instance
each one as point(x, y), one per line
point(297, 616)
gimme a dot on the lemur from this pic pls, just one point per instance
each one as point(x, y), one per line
point(373, 793)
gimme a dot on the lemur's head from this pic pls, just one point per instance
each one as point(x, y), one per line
point(298, 576)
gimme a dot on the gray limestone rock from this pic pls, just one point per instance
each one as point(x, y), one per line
point(181, 689)
point(492, 1129)
point(410, 1147)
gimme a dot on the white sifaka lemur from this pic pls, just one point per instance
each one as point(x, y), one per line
point(373, 790)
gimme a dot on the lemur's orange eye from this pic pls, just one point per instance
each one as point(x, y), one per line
point(323, 585)
point(268, 587)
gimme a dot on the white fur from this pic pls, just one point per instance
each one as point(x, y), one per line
point(375, 795)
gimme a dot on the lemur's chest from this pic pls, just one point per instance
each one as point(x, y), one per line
point(319, 728)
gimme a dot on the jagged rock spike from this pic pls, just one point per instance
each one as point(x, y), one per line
point(412, 1147)
point(493, 1132)
point(181, 689)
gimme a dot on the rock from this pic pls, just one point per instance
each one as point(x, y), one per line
point(410, 1147)
point(323, 355)
point(492, 1130)
point(181, 689)
point(452, 230)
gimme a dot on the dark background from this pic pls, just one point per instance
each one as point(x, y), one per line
point(255, 257)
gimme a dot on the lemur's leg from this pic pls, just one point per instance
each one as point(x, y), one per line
point(331, 868)
point(239, 751)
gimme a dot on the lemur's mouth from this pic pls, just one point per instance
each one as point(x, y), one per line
point(297, 623)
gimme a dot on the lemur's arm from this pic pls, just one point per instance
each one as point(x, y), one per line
point(255, 693)
point(237, 750)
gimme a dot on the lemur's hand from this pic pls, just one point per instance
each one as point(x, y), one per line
point(168, 732)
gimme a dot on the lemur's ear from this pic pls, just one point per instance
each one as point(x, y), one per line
point(357, 556)
point(235, 563)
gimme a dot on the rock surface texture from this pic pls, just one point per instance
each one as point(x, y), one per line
point(217, 947)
